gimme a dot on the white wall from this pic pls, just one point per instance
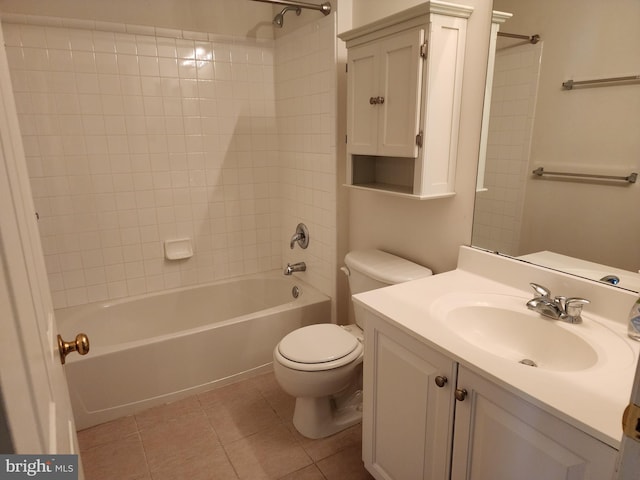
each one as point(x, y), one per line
point(429, 232)
point(306, 90)
point(588, 130)
point(497, 221)
point(229, 17)
point(131, 142)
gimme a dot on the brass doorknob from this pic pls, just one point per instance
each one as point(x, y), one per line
point(80, 345)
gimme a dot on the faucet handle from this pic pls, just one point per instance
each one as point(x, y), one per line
point(574, 305)
point(540, 290)
point(573, 309)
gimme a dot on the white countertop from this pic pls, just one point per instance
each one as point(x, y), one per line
point(592, 399)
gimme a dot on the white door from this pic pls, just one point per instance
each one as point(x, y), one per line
point(32, 380)
point(401, 84)
point(500, 436)
point(629, 468)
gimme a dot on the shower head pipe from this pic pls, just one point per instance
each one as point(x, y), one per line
point(325, 7)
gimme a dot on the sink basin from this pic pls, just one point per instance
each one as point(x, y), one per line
point(502, 326)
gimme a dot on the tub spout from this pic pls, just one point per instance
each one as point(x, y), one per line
point(296, 267)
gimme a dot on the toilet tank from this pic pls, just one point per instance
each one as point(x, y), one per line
point(371, 269)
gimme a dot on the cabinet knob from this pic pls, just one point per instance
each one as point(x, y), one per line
point(380, 100)
point(460, 394)
point(441, 381)
point(373, 100)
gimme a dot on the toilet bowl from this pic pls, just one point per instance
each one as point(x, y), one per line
point(321, 365)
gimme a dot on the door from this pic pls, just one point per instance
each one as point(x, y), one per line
point(630, 449)
point(500, 436)
point(408, 405)
point(363, 109)
point(401, 83)
point(34, 388)
point(384, 92)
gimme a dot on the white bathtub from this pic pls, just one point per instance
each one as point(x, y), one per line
point(152, 349)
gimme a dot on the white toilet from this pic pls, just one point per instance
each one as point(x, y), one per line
point(321, 365)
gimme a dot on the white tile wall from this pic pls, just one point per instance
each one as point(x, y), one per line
point(306, 105)
point(498, 213)
point(133, 136)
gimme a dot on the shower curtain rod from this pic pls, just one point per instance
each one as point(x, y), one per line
point(325, 7)
point(531, 39)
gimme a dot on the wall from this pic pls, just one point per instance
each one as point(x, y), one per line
point(586, 130)
point(429, 232)
point(498, 212)
point(133, 138)
point(228, 17)
point(306, 90)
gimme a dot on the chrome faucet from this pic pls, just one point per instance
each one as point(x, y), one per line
point(296, 267)
point(559, 308)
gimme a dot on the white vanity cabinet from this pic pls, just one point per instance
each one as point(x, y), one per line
point(411, 392)
point(500, 436)
point(404, 84)
point(407, 418)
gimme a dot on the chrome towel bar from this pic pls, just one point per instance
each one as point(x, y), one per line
point(631, 178)
point(569, 84)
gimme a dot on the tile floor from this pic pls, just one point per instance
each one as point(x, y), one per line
point(240, 431)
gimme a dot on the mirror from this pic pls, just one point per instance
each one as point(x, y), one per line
point(589, 226)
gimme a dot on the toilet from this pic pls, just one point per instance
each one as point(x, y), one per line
point(321, 364)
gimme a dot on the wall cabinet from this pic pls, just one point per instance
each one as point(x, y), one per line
point(404, 77)
point(384, 90)
point(411, 392)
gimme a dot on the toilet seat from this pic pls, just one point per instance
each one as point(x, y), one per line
point(318, 347)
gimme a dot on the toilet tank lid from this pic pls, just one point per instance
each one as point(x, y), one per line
point(385, 267)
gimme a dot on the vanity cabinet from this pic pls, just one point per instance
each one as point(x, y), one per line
point(411, 393)
point(404, 84)
point(500, 436)
point(407, 417)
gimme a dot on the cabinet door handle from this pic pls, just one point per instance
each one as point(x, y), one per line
point(441, 381)
point(460, 394)
point(373, 100)
point(380, 100)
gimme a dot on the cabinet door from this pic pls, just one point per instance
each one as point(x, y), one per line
point(401, 84)
point(362, 114)
point(407, 418)
point(499, 436)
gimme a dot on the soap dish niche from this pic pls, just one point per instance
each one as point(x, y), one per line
point(178, 249)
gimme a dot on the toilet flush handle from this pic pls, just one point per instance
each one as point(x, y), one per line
point(345, 270)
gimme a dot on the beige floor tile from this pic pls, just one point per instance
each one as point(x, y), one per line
point(170, 411)
point(238, 411)
point(280, 401)
point(106, 432)
point(346, 464)
point(122, 460)
point(325, 447)
point(206, 464)
point(307, 473)
point(170, 443)
point(270, 454)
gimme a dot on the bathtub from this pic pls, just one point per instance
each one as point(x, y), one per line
point(157, 348)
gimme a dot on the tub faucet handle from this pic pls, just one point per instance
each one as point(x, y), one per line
point(301, 236)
